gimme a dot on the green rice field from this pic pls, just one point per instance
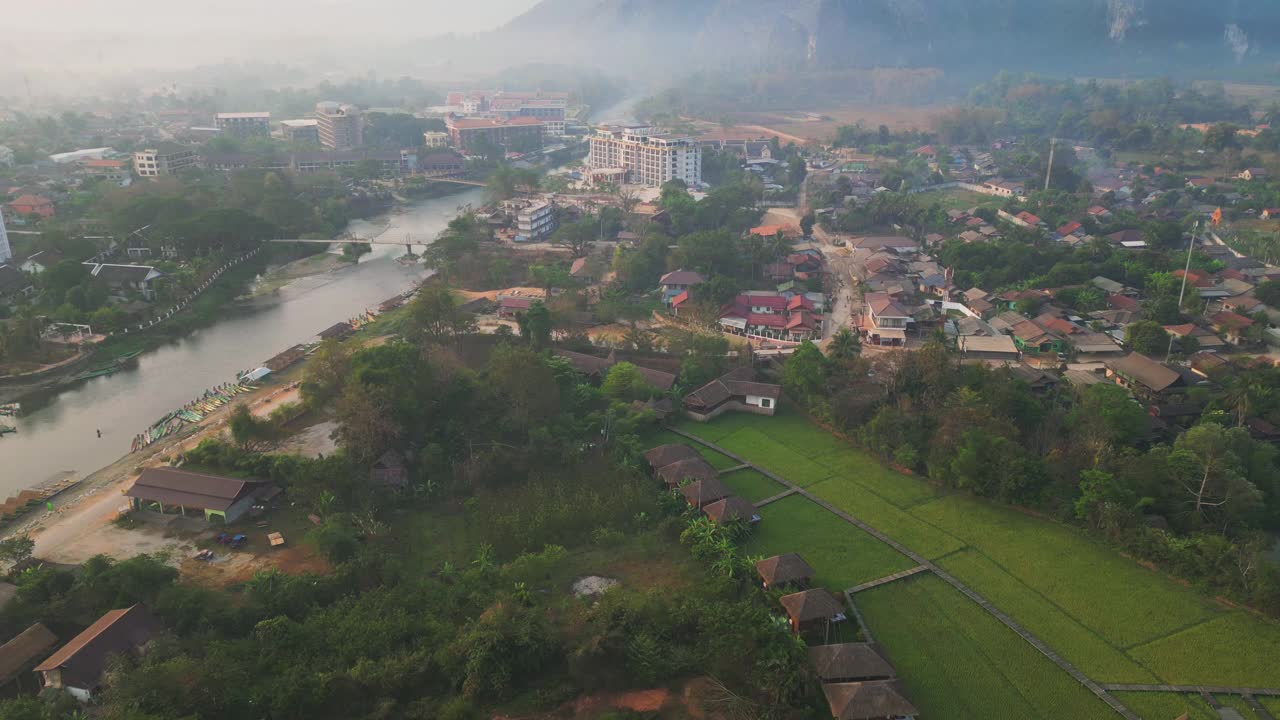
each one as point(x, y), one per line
point(1114, 619)
point(752, 485)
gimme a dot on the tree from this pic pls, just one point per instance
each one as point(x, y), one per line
point(1105, 416)
point(535, 325)
point(845, 345)
point(1268, 293)
point(796, 171)
point(16, 549)
point(624, 382)
point(1147, 337)
point(326, 372)
point(1211, 472)
point(367, 426)
point(434, 317)
point(250, 433)
point(805, 373)
point(1221, 136)
point(576, 236)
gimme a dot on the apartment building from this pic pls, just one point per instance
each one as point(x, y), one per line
point(340, 126)
point(648, 156)
point(547, 107)
point(162, 160)
point(306, 130)
point(466, 133)
point(244, 124)
point(535, 222)
point(435, 139)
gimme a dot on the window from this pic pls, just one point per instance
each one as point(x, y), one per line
point(766, 403)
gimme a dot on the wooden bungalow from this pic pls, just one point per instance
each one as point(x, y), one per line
point(19, 656)
point(850, 662)
point(702, 493)
point(663, 455)
point(694, 468)
point(812, 609)
point(786, 569)
point(871, 700)
point(731, 509)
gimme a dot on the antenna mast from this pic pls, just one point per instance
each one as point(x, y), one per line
point(1048, 173)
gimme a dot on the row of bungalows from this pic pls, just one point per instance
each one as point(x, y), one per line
point(683, 469)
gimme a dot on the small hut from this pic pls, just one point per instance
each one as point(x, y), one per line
point(664, 455)
point(811, 609)
point(872, 700)
point(702, 493)
point(389, 471)
point(694, 468)
point(787, 569)
point(731, 509)
point(850, 662)
point(20, 654)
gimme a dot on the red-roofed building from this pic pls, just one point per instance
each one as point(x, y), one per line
point(772, 230)
point(927, 151)
point(1271, 214)
point(509, 307)
point(1098, 211)
point(466, 133)
point(1232, 326)
point(32, 205)
point(884, 321)
point(1028, 218)
point(1123, 302)
point(1069, 229)
point(1195, 278)
point(771, 315)
point(678, 301)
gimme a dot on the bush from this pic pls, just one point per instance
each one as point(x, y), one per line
point(336, 543)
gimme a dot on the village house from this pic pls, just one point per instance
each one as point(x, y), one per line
point(812, 610)
point(596, 368)
point(678, 281)
point(884, 321)
point(850, 662)
point(692, 469)
point(19, 656)
point(772, 315)
point(731, 509)
point(663, 455)
point(389, 471)
point(167, 489)
point(1204, 339)
point(869, 700)
point(979, 347)
point(1253, 173)
point(78, 666)
point(29, 204)
point(735, 390)
point(1149, 380)
point(1233, 327)
point(701, 493)
point(1004, 188)
point(1271, 214)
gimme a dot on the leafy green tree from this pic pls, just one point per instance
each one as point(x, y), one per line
point(845, 345)
point(16, 549)
point(1147, 337)
point(1269, 293)
point(805, 373)
point(249, 432)
point(434, 317)
point(535, 325)
point(624, 382)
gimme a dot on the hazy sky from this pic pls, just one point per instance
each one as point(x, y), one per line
point(325, 17)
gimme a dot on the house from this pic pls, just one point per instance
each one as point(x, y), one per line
point(597, 368)
point(694, 469)
point(772, 315)
point(1036, 340)
point(769, 231)
point(870, 700)
point(1070, 228)
point(678, 281)
point(1204, 339)
point(887, 242)
point(1271, 214)
point(850, 662)
point(1099, 212)
point(20, 654)
point(1143, 376)
point(1131, 239)
point(978, 347)
point(1124, 302)
point(78, 666)
point(732, 509)
point(663, 455)
point(811, 609)
point(41, 261)
point(1243, 304)
point(1252, 174)
point(127, 278)
point(29, 204)
point(1004, 188)
point(1107, 285)
point(786, 569)
point(1232, 326)
point(511, 306)
point(14, 284)
point(578, 269)
point(735, 390)
point(389, 471)
point(216, 496)
point(701, 493)
point(885, 321)
point(337, 331)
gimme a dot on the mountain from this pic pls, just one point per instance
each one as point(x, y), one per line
point(1069, 35)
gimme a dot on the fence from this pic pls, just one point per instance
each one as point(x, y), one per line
point(182, 304)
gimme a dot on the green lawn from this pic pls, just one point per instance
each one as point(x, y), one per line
point(960, 199)
point(1167, 706)
point(1238, 703)
point(1234, 649)
point(957, 661)
point(1073, 641)
point(1112, 618)
point(1271, 703)
point(840, 554)
point(752, 485)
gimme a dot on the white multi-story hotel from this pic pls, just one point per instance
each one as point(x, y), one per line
point(647, 155)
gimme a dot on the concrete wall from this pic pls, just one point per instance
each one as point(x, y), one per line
point(734, 405)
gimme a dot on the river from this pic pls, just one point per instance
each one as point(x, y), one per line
point(57, 432)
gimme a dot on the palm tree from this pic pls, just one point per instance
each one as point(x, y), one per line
point(844, 345)
point(1242, 396)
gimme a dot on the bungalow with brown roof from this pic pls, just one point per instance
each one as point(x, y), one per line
point(663, 455)
point(785, 569)
point(701, 493)
point(687, 469)
point(732, 509)
point(78, 666)
point(850, 662)
point(812, 609)
point(677, 281)
point(735, 390)
point(871, 700)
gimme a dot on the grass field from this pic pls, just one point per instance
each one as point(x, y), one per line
point(1114, 619)
point(751, 485)
point(958, 199)
point(898, 118)
point(957, 661)
point(840, 555)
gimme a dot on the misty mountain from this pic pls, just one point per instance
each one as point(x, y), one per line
point(1067, 35)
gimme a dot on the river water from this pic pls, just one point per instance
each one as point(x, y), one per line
point(57, 433)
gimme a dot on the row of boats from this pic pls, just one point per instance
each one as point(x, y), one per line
point(10, 409)
point(110, 368)
point(192, 412)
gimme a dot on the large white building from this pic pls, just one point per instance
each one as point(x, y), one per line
point(244, 123)
point(167, 159)
point(647, 156)
point(6, 252)
point(535, 222)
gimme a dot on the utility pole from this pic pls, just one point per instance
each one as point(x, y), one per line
point(1048, 173)
point(1181, 293)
